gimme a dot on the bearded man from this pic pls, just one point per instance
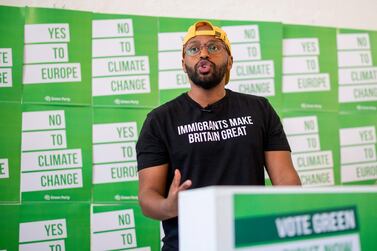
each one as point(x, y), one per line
point(208, 136)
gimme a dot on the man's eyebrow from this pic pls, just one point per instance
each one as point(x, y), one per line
point(209, 41)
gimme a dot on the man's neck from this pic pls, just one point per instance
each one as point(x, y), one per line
point(206, 97)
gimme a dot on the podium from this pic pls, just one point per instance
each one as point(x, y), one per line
point(278, 218)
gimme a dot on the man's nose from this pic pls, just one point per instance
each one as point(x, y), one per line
point(204, 52)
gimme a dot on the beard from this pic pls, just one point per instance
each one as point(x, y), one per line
point(207, 81)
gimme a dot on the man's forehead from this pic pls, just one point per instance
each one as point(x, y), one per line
point(203, 38)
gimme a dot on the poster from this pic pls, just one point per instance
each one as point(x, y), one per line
point(315, 151)
point(357, 69)
point(56, 153)
point(172, 80)
point(123, 227)
point(11, 52)
point(115, 133)
point(311, 220)
point(357, 140)
point(57, 66)
point(309, 68)
point(9, 218)
point(54, 226)
point(124, 60)
point(257, 59)
point(10, 138)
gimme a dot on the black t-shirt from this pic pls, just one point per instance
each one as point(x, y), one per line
point(222, 144)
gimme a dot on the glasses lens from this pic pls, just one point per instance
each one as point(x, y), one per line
point(214, 48)
point(192, 50)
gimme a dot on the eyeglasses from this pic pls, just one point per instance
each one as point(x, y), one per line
point(213, 47)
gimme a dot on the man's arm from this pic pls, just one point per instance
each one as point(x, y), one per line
point(152, 182)
point(280, 168)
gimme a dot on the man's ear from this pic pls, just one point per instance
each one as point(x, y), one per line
point(230, 62)
point(183, 65)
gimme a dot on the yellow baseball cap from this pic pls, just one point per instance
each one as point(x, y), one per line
point(215, 31)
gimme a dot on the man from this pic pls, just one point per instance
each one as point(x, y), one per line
point(207, 136)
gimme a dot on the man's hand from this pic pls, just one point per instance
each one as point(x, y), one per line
point(171, 202)
point(152, 183)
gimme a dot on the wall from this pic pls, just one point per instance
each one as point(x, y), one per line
point(359, 14)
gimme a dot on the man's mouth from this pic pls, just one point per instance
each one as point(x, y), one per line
point(204, 66)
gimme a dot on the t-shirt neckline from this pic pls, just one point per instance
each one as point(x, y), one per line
point(213, 105)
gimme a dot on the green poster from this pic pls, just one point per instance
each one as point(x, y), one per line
point(56, 159)
point(11, 52)
point(256, 50)
point(124, 60)
point(54, 226)
point(115, 132)
point(357, 69)
point(57, 66)
point(309, 68)
point(10, 138)
point(123, 227)
point(357, 140)
point(314, 145)
point(172, 80)
point(342, 219)
point(9, 218)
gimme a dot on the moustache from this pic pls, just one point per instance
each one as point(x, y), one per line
point(203, 62)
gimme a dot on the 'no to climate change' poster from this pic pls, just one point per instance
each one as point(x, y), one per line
point(123, 227)
point(256, 51)
point(357, 69)
point(56, 153)
point(124, 60)
point(315, 152)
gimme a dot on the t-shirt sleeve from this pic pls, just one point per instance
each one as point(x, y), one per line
point(275, 139)
point(150, 148)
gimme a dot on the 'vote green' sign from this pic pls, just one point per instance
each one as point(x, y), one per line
point(311, 220)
